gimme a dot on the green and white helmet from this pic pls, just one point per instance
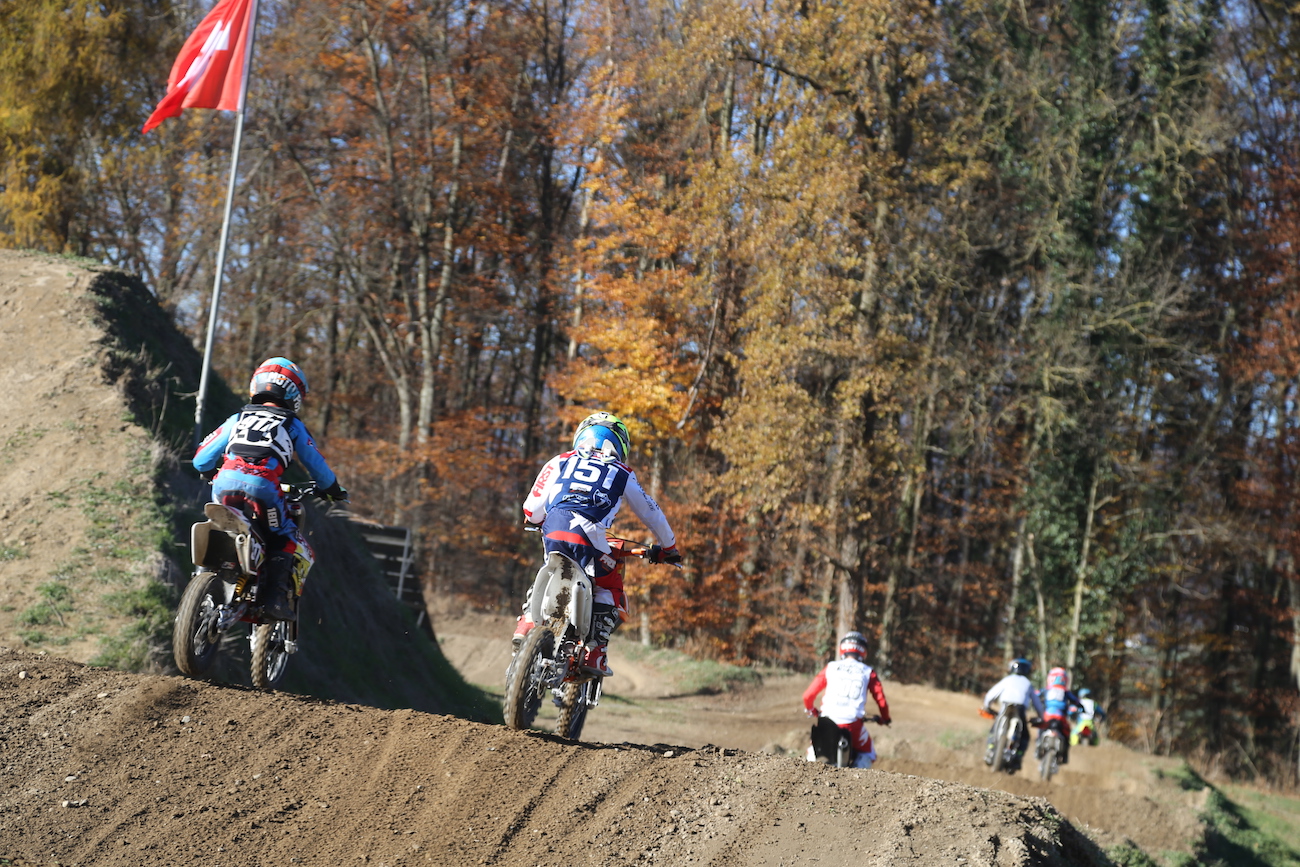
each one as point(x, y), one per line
point(603, 432)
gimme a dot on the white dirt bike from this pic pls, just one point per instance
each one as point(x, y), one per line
point(1003, 751)
point(229, 551)
point(560, 605)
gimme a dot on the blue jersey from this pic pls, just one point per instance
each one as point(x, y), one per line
point(1057, 700)
point(253, 448)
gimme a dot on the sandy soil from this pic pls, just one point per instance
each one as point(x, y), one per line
point(108, 768)
point(67, 445)
point(1113, 792)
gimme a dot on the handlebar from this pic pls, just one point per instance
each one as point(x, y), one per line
point(874, 718)
point(298, 493)
point(619, 548)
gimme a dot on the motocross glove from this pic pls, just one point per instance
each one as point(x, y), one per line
point(664, 555)
point(335, 493)
point(812, 712)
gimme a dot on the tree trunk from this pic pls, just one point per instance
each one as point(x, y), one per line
point(1009, 618)
point(1082, 571)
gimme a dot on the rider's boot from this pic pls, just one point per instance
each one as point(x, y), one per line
point(595, 659)
point(277, 569)
point(523, 626)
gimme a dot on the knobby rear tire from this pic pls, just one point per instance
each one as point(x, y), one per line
point(573, 709)
point(194, 640)
point(1047, 764)
point(1000, 745)
point(270, 658)
point(523, 693)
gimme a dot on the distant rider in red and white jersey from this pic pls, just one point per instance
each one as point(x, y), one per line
point(847, 682)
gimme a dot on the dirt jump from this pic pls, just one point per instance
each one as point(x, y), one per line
point(377, 753)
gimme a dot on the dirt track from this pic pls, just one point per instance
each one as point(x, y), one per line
point(107, 768)
point(1114, 792)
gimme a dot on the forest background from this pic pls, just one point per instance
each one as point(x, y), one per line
point(971, 325)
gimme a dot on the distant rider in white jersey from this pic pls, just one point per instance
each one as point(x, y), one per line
point(847, 682)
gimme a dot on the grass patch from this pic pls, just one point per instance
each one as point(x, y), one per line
point(149, 610)
point(24, 437)
point(1259, 833)
point(691, 676)
point(10, 552)
point(55, 599)
point(958, 741)
point(1128, 855)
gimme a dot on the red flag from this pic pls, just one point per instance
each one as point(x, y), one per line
point(209, 72)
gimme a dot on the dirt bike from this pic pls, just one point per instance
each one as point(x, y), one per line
point(229, 550)
point(831, 743)
point(1050, 747)
point(1085, 732)
point(560, 604)
point(1003, 752)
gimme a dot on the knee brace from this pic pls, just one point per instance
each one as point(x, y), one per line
point(604, 620)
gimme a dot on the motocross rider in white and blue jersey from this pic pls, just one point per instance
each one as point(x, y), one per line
point(249, 453)
point(575, 499)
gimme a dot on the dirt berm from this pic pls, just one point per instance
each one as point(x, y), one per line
point(106, 767)
point(96, 411)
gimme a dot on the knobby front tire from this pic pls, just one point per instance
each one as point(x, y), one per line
point(573, 709)
point(270, 658)
point(195, 640)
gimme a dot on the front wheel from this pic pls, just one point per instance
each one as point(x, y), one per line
point(270, 655)
point(195, 638)
point(525, 679)
point(575, 700)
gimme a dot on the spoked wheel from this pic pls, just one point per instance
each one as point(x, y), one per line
point(194, 634)
point(1047, 764)
point(575, 700)
point(270, 656)
point(525, 683)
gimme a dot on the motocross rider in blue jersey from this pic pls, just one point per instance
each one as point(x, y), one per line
point(249, 453)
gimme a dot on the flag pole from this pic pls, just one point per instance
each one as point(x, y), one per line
point(225, 234)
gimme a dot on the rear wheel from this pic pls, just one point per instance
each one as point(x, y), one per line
point(195, 639)
point(525, 682)
point(1047, 764)
point(1000, 745)
point(270, 656)
point(575, 700)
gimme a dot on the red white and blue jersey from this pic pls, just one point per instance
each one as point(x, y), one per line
point(593, 486)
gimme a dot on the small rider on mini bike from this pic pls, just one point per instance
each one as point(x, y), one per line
point(575, 499)
point(249, 453)
point(1015, 693)
point(1058, 701)
point(847, 682)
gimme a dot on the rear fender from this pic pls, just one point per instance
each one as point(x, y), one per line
point(562, 587)
point(234, 538)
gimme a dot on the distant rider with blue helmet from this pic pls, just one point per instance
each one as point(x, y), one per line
point(250, 452)
point(575, 499)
